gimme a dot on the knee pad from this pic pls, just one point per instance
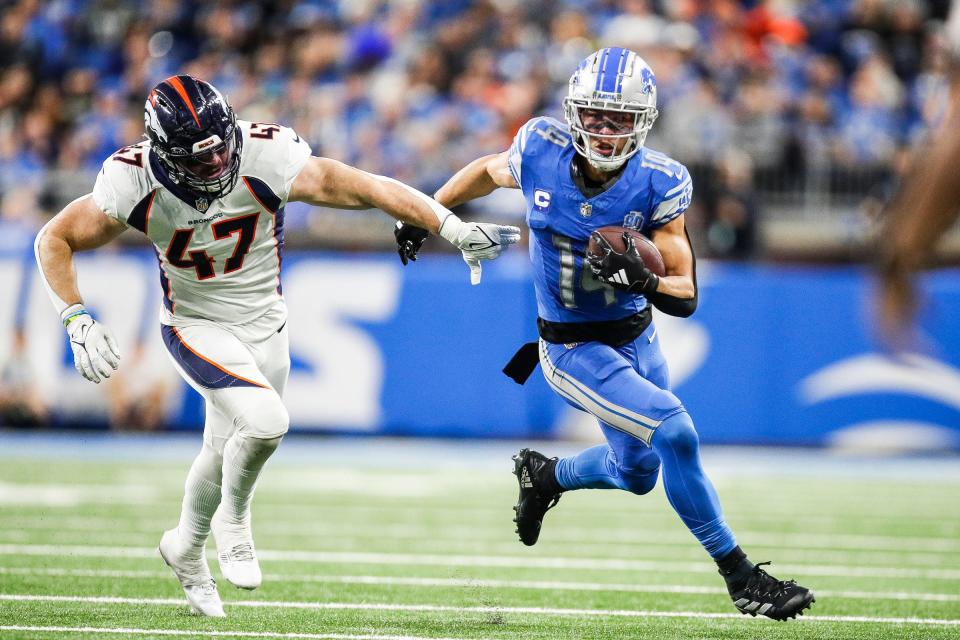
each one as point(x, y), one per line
point(265, 419)
point(639, 482)
point(638, 468)
point(678, 434)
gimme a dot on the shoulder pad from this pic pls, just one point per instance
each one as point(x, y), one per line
point(671, 185)
point(538, 136)
point(123, 181)
point(540, 131)
point(273, 153)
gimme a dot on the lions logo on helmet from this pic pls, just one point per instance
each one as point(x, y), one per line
point(194, 134)
point(611, 105)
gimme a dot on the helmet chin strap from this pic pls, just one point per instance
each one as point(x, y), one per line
point(606, 165)
point(601, 164)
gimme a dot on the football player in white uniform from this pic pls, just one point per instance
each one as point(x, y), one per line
point(209, 191)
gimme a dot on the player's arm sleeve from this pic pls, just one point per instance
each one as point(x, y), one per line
point(106, 196)
point(517, 148)
point(673, 195)
point(297, 154)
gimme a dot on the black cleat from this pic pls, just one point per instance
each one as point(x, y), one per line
point(537, 496)
point(758, 592)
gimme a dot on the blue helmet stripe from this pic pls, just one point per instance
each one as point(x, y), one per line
point(609, 75)
point(621, 67)
point(600, 68)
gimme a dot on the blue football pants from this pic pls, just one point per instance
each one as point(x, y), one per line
point(646, 427)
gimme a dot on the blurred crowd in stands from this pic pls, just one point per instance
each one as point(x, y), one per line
point(762, 99)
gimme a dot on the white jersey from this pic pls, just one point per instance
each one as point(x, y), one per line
point(219, 259)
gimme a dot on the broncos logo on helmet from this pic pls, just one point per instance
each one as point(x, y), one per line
point(194, 134)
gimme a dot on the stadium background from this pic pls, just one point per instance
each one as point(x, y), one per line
point(796, 119)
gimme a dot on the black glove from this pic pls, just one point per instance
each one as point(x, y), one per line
point(624, 271)
point(409, 240)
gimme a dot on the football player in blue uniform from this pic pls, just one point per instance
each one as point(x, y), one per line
point(598, 347)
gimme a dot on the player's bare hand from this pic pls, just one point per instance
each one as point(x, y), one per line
point(409, 240)
point(95, 352)
point(478, 241)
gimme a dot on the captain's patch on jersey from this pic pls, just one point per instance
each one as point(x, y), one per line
point(541, 199)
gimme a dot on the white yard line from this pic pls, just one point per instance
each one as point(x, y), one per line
point(906, 558)
point(203, 633)
point(432, 608)
point(568, 534)
point(134, 503)
point(510, 561)
point(480, 583)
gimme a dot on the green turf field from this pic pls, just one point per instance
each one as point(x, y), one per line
point(358, 553)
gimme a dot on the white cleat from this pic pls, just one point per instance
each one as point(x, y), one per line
point(194, 576)
point(237, 556)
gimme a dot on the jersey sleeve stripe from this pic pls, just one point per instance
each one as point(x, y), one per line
point(270, 201)
point(262, 193)
point(514, 162)
point(278, 236)
point(165, 286)
point(139, 217)
point(203, 371)
point(668, 210)
point(524, 134)
point(680, 187)
point(515, 155)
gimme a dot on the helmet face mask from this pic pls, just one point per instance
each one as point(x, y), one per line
point(212, 171)
point(194, 133)
point(610, 106)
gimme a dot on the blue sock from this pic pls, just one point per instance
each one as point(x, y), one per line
point(690, 492)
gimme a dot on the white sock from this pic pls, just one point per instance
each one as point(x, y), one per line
point(200, 501)
point(243, 460)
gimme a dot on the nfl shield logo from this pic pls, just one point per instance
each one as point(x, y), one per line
point(201, 204)
point(586, 209)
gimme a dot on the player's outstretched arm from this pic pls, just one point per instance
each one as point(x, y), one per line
point(477, 179)
point(326, 182)
point(81, 226)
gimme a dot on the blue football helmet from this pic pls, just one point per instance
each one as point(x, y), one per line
point(194, 133)
point(612, 97)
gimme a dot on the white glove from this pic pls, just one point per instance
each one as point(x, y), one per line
point(95, 351)
point(477, 241)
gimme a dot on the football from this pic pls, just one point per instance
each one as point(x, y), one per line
point(614, 236)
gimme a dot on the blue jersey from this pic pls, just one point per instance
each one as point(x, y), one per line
point(652, 190)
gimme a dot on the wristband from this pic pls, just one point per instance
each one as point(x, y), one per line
point(71, 313)
point(450, 228)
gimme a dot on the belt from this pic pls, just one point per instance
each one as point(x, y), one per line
point(614, 333)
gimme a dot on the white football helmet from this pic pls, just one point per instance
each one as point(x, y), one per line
point(610, 80)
